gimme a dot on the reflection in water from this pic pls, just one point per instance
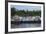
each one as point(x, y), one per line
point(25, 25)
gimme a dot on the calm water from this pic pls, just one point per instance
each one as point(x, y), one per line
point(26, 25)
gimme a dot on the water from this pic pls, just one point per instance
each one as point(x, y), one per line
point(26, 25)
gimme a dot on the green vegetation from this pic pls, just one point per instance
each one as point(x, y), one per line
point(15, 11)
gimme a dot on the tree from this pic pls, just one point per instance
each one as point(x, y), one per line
point(13, 11)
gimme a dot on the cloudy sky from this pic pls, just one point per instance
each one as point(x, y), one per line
point(21, 7)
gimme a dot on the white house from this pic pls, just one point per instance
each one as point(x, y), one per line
point(28, 18)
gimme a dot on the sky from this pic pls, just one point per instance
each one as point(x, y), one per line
point(21, 7)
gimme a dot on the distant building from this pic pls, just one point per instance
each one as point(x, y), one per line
point(15, 18)
point(26, 17)
point(37, 18)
